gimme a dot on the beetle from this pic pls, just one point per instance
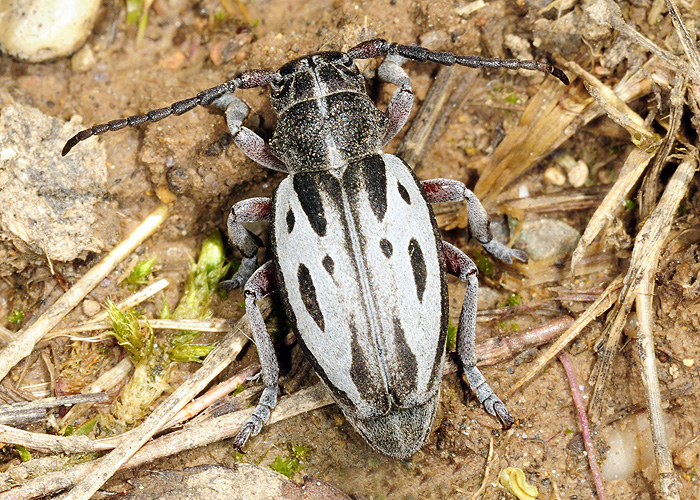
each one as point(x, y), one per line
point(357, 254)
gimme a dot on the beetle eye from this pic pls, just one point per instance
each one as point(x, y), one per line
point(277, 81)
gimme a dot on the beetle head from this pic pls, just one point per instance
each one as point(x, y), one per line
point(313, 77)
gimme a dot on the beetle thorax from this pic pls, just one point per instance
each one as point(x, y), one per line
point(325, 117)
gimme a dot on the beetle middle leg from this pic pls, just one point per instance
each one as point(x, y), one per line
point(444, 190)
point(250, 210)
point(461, 266)
point(260, 284)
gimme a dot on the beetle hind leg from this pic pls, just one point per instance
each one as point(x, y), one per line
point(461, 266)
point(260, 284)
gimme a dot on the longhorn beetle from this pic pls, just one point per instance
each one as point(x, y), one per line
point(356, 251)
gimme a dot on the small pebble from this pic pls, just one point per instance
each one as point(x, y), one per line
point(83, 60)
point(41, 30)
point(91, 307)
point(554, 176)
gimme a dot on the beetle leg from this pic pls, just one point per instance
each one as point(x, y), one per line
point(443, 190)
point(260, 284)
point(401, 103)
point(461, 266)
point(252, 145)
point(250, 210)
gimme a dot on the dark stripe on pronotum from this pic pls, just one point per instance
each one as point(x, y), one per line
point(308, 296)
point(418, 266)
point(310, 199)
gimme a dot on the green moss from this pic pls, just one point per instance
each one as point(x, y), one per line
point(16, 316)
point(139, 274)
point(484, 264)
point(451, 343)
point(285, 465)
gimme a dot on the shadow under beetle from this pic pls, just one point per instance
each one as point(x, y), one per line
point(357, 254)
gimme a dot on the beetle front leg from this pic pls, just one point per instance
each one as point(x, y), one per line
point(399, 108)
point(252, 145)
point(444, 190)
point(260, 284)
point(250, 210)
point(461, 266)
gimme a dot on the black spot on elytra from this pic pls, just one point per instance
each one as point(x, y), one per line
point(386, 247)
point(404, 377)
point(310, 198)
point(418, 266)
point(404, 193)
point(290, 220)
point(308, 296)
point(373, 172)
point(328, 264)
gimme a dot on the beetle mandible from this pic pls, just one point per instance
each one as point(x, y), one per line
point(357, 254)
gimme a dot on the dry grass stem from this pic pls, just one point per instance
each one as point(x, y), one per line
point(602, 304)
point(647, 249)
point(31, 411)
point(618, 110)
point(650, 186)
point(613, 203)
point(134, 300)
point(212, 395)
point(487, 470)
point(645, 344)
point(26, 339)
point(215, 325)
point(688, 42)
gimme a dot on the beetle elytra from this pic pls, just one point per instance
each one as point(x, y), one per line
point(357, 253)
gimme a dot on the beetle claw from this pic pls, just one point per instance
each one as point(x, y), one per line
point(243, 435)
point(503, 415)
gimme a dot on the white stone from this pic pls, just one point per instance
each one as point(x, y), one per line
point(41, 30)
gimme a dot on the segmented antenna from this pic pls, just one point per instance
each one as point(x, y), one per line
point(380, 47)
point(247, 80)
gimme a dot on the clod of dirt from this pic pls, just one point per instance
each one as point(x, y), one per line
point(244, 482)
point(41, 30)
point(49, 203)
